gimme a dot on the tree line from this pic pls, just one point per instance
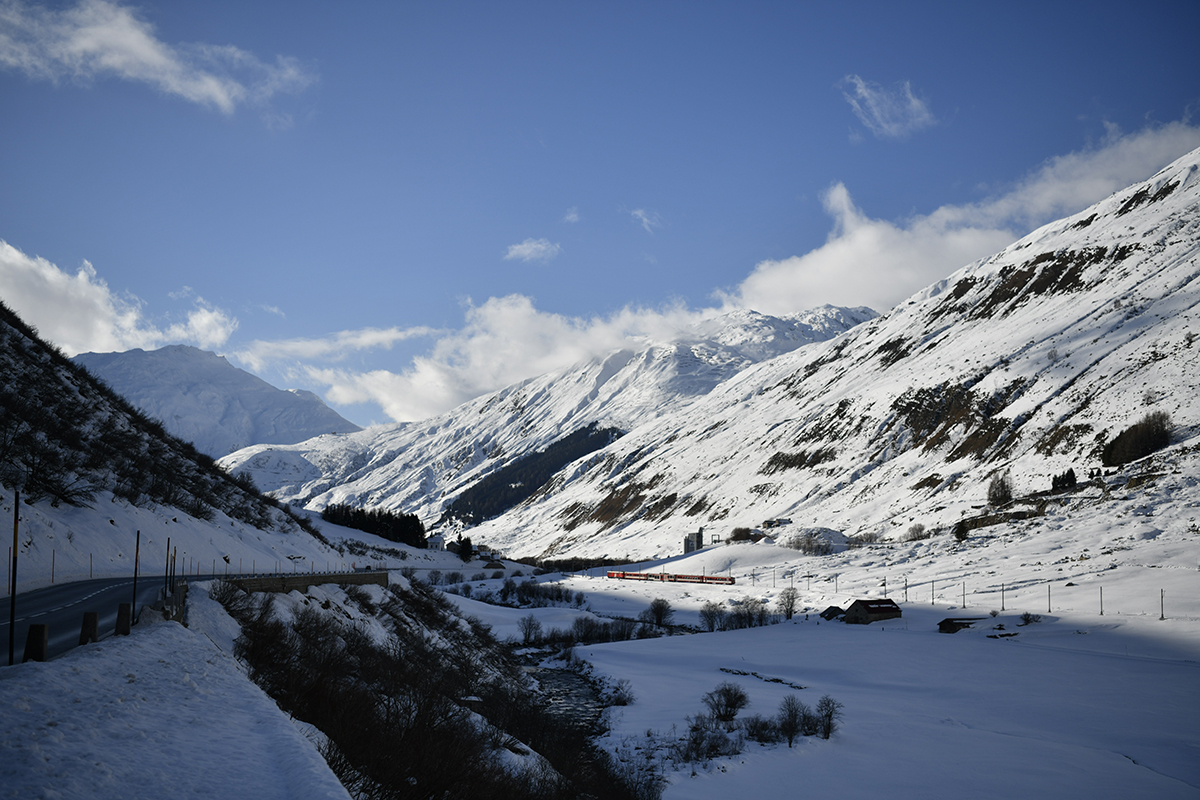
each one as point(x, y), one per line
point(403, 528)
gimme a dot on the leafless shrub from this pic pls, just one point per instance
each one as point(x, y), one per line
point(712, 616)
point(829, 713)
point(917, 533)
point(725, 701)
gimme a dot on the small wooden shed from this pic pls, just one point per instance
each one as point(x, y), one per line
point(862, 612)
point(956, 624)
point(832, 613)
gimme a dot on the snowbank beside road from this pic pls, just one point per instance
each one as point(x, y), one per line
point(157, 714)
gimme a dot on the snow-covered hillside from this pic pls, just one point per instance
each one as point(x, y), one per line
point(420, 467)
point(202, 398)
point(1026, 362)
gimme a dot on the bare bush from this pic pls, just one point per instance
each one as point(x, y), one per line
point(660, 612)
point(864, 538)
point(788, 601)
point(706, 738)
point(789, 721)
point(725, 701)
point(917, 533)
point(761, 729)
point(810, 543)
point(712, 616)
point(829, 712)
point(530, 628)
point(621, 694)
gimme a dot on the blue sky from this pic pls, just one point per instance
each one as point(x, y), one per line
point(403, 205)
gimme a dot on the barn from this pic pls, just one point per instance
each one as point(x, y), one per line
point(862, 612)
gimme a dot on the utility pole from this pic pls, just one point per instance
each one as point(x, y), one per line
point(12, 595)
point(137, 550)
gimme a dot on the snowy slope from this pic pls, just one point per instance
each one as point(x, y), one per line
point(202, 398)
point(420, 467)
point(159, 713)
point(1024, 362)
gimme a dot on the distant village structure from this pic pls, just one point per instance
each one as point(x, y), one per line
point(693, 541)
point(863, 612)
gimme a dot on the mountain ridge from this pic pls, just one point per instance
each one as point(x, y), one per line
point(202, 398)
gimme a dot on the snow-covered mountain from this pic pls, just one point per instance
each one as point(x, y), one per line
point(202, 398)
point(1025, 363)
point(97, 477)
point(420, 467)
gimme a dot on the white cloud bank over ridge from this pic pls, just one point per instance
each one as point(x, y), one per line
point(79, 312)
point(879, 263)
point(97, 38)
point(889, 114)
point(503, 341)
point(864, 261)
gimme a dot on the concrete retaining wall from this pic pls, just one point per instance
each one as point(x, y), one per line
point(301, 581)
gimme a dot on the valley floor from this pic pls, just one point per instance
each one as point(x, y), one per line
point(1077, 705)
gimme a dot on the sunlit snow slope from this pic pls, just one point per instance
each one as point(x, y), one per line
point(1026, 362)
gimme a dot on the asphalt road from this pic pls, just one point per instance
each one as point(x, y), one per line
point(62, 607)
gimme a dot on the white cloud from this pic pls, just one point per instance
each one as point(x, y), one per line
point(878, 263)
point(79, 313)
point(97, 39)
point(572, 215)
point(648, 219)
point(533, 250)
point(864, 261)
point(259, 355)
point(504, 340)
point(893, 113)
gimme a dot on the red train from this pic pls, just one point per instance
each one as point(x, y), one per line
point(667, 576)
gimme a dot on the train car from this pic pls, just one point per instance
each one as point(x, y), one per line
point(668, 577)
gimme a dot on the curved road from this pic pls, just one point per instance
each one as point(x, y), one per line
point(62, 607)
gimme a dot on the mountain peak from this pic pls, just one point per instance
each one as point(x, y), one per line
point(200, 397)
